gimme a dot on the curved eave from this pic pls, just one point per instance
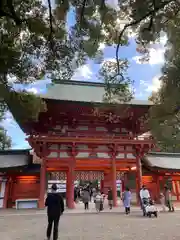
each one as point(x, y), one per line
point(163, 161)
point(133, 103)
point(14, 159)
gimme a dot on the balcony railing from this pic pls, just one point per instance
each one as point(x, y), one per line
point(99, 137)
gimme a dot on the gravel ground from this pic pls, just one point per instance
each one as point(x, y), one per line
point(88, 226)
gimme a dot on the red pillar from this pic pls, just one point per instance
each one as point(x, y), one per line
point(42, 184)
point(138, 178)
point(70, 188)
point(67, 188)
point(6, 194)
point(114, 187)
point(102, 185)
point(158, 187)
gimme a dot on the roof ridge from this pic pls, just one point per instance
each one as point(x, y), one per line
point(79, 83)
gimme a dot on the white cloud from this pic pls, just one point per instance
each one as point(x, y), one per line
point(112, 4)
point(155, 85)
point(9, 120)
point(156, 56)
point(156, 52)
point(83, 72)
point(146, 87)
point(32, 90)
point(101, 46)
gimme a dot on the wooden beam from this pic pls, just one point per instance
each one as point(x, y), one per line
point(93, 140)
point(94, 151)
point(89, 160)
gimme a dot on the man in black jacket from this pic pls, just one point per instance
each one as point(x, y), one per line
point(55, 207)
point(110, 198)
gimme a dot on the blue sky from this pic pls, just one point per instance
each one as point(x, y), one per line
point(145, 78)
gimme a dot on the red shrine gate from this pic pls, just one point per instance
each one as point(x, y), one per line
point(73, 167)
point(75, 136)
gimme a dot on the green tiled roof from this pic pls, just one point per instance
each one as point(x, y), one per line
point(82, 92)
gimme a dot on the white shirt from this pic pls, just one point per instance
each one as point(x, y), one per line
point(99, 198)
point(144, 193)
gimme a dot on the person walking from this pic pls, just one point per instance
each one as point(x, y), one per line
point(98, 202)
point(86, 198)
point(144, 195)
point(127, 200)
point(110, 198)
point(55, 208)
point(94, 193)
point(168, 199)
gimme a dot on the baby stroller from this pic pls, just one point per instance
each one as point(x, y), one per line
point(149, 208)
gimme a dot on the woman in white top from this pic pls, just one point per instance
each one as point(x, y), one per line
point(98, 201)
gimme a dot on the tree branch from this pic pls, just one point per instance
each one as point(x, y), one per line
point(135, 22)
point(51, 26)
point(82, 13)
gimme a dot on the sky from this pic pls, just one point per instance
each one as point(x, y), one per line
point(144, 75)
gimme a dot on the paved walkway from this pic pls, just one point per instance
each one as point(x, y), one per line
point(79, 209)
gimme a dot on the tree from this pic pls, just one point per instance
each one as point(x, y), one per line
point(36, 42)
point(165, 115)
point(117, 86)
point(5, 141)
point(150, 19)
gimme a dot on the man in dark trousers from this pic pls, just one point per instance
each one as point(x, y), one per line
point(55, 207)
point(110, 198)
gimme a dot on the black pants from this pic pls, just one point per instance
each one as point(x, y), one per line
point(127, 210)
point(53, 220)
point(170, 206)
point(86, 205)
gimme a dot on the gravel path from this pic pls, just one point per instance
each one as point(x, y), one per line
point(88, 226)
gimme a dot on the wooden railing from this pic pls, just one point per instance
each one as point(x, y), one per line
point(90, 138)
point(105, 135)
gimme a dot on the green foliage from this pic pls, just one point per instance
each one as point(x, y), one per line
point(5, 141)
point(165, 115)
point(151, 19)
point(118, 86)
point(36, 42)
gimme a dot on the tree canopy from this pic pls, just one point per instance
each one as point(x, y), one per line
point(165, 115)
point(37, 40)
point(5, 141)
